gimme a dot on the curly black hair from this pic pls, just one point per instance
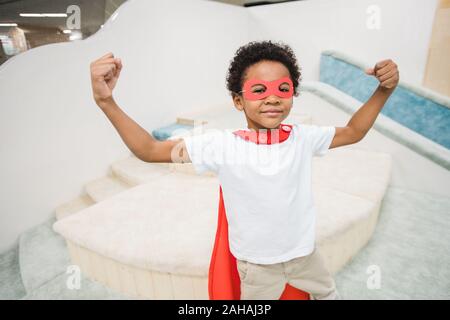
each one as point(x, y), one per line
point(255, 51)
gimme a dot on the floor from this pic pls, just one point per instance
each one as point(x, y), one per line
point(408, 257)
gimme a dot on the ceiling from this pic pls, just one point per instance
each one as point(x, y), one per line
point(92, 13)
point(32, 32)
point(250, 3)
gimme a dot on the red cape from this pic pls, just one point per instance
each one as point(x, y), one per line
point(223, 278)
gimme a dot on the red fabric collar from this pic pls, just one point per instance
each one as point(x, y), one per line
point(269, 136)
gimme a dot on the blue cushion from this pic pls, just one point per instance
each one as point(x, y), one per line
point(166, 132)
point(417, 112)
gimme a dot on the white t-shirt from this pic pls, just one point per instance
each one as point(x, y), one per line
point(266, 189)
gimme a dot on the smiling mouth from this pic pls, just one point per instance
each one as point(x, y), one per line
point(272, 113)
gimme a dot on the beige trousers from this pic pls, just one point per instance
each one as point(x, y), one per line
point(267, 281)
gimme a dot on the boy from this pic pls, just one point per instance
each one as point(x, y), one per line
point(268, 206)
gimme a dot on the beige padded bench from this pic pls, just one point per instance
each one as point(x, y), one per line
point(154, 240)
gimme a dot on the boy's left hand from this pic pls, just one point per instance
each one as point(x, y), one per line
point(386, 72)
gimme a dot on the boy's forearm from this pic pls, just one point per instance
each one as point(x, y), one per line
point(138, 140)
point(363, 119)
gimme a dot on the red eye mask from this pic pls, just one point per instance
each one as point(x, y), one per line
point(271, 87)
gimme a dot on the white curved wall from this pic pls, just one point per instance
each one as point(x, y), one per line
point(315, 25)
point(54, 137)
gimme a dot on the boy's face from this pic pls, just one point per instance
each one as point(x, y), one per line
point(256, 110)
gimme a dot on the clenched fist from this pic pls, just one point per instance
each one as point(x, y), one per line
point(105, 72)
point(386, 72)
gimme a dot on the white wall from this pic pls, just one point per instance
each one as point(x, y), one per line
point(54, 138)
point(312, 26)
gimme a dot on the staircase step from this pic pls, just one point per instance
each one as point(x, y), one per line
point(71, 207)
point(43, 255)
point(105, 187)
point(188, 168)
point(190, 122)
point(135, 171)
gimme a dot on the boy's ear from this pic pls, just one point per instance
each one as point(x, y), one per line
point(238, 102)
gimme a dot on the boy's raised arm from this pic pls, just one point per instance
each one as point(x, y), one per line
point(386, 72)
point(105, 72)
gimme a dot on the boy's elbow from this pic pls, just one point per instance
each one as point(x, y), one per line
point(357, 135)
point(358, 138)
point(146, 157)
point(147, 153)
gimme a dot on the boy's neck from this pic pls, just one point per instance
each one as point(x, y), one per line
point(258, 128)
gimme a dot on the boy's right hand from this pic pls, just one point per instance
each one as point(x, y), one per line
point(105, 72)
